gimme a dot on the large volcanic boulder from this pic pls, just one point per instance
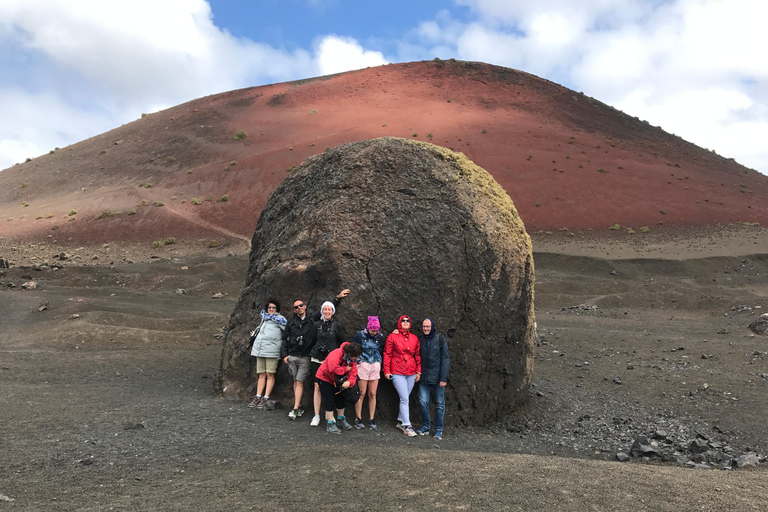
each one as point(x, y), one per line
point(411, 228)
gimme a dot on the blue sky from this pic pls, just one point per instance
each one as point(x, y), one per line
point(71, 69)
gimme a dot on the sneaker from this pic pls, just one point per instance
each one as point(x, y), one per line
point(255, 402)
point(400, 425)
point(409, 431)
point(299, 412)
point(423, 431)
point(438, 434)
point(315, 421)
point(372, 425)
point(293, 414)
point(332, 428)
point(359, 425)
point(343, 423)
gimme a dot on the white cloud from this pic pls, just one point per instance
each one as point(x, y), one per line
point(337, 54)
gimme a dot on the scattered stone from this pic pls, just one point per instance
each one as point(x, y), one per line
point(581, 307)
point(3, 497)
point(760, 326)
point(181, 291)
point(4, 263)
point(74, 317)
point(742, 308)
point(622, 457)
point(748, 459)
point(217, 296)
point(642, 448)
point(617, 380)
point(43, 306)
point(29, 285)
point(613, 273)
point(698, 446)
point(133, 426)
point(85, 462)
point(231, 255)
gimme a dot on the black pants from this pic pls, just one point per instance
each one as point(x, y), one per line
point(331, 401)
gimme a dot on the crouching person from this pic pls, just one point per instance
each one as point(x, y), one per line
point(337, 379)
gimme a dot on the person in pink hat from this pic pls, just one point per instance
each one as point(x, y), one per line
point(368, 370)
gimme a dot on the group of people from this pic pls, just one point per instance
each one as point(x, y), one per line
point(314, 347)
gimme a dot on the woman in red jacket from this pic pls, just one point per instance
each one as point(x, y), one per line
point(402, 365)
point(337, 374)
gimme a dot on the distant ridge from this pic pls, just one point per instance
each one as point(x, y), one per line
point(567, 160)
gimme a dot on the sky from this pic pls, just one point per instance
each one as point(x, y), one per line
point(72, 69)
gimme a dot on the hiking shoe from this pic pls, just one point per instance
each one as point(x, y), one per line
point(293, 414)
point(255, 402)
point(372, 424)
point(409, 431)
point(400, 425)
point(438, 434)
point(332, 428)
point(423, 431)
point(343, 423)
point(315, 421)
point(359, 425)
point(299, 412)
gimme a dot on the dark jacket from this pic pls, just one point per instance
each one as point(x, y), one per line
point(434, 358)
point(299, 335)
point(329, 336)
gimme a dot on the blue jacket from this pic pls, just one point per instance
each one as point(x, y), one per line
point(371, 346)
point(434, 358)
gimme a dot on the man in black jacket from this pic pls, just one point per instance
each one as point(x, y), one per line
point(298, 339)
point(434, 376)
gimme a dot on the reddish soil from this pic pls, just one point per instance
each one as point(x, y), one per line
point(567, 160)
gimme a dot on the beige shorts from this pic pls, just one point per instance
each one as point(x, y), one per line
point(266, 364)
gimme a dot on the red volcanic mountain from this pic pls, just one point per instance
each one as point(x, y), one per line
point(206, 168)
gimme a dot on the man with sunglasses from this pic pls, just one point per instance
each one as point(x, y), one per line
point(298, 339)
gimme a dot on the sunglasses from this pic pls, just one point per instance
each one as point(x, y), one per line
point(271, 307)
point(299, 306)
point(406, 320)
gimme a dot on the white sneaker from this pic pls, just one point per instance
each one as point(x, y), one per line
point(315, 421)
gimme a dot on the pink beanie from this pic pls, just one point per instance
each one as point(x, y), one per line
point(373, 323)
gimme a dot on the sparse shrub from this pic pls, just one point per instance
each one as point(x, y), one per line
point(644, 229)
point(564, 229)
point(571, 234)
point(213, 244)
point(48, 216)
point(132, 212)
point(54, 228)
point(630, 231)
point(547, 232)
point(158, 243)
point(312, 145)
point(196, 201)
point(106, 213)
point(314, 111)
point(663, 212)
point(483, 131)
point(9, 219)
point(143, 202)
point(602, 171)
point(24, 185)
point(72, 212)
point(290, 168)
point(429, 135)
point(169, 241)
point(615, 227)
point(530, 157)
point(567, 157)
point(170, 159)
point(415, 134)
point(448, 101)
point(189, 171)
point(24, 204)
point(384, 125)
point(158, 204)
point(240, 135)
point(538, 205)
point(28, 160)
point(50, 152)
point(233, 163)
point(328, 148)
point(38, 217)
point(222, 199)
point(183, 201)
point(290, 148)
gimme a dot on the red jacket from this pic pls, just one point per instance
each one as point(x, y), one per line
point(401, 353)
point(334, 366)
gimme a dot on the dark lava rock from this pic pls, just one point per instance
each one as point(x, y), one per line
point(622, 457)
point(411, 228)
point(760, 326)
point(698, 446)
point(642, 448)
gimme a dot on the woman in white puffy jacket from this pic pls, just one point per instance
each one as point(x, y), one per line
point(266, 350)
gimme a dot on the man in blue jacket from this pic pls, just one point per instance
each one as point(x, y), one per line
point(434, 376)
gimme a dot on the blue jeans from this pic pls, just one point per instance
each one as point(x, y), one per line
point(424, 391)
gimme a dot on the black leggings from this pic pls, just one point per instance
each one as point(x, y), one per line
point(331, 401)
